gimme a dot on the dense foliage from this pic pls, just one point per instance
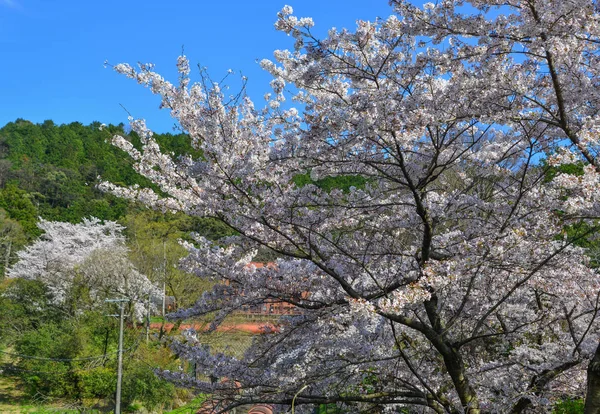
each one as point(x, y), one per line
point(451, 276)
point(50, 172)
point(58, 167)
point(59, 357)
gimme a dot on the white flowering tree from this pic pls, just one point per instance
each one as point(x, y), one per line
point(89, 255)
point(450, 277)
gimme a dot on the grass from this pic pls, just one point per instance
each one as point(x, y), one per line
point(230, 343)
point(14, 401)
point(11, 398)
point(190, 407)
point(243, 318)
point(156, 319)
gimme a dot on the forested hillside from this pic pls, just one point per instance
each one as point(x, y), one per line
point(51, 171)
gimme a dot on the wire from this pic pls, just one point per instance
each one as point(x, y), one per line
point(8, 367)
point(135, 344)
point(58, 359)
point(11, 367)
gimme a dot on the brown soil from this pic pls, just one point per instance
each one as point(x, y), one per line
point(246, 327)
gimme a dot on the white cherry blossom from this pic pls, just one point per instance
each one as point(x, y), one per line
point(445, 275)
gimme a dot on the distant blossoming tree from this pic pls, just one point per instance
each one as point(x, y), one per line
point(89, 255)
point(451, 275)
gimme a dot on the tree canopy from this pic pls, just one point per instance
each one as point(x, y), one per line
point(90, 258)
point(447, 278)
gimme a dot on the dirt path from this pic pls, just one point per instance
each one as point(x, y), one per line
point(246, 327)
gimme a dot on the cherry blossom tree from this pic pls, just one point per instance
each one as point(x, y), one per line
point(90, 255)
point(451, 277)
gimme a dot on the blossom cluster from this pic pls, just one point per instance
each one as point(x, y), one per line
point(446, 266)
point(91, 253)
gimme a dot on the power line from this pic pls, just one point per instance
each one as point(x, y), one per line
point(13, 354)
point(9, 367)
point(58, 359)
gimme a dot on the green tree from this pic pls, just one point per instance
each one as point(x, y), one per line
point(12, 238)
point(24, 140)
point(156, 251)
point(17, 203)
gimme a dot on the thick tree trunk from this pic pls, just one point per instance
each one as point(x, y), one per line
point(456, 368)
point(452, 359)
point(592, 398)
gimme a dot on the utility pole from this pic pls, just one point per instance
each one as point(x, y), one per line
point(148, 318)
point(121, 303)
point(164, 298)
point(164, 269)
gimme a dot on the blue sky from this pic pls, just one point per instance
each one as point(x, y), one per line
point(53, 50)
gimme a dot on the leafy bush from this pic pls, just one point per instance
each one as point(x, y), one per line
point(62, 356)
point(100, 382)
point(569, 407)
point(140, 383)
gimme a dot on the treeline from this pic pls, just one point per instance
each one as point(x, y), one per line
point(59, 165)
